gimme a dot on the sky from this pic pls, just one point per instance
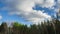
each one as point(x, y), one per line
point(28, 11)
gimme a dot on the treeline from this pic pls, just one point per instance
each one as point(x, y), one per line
point(49, 27)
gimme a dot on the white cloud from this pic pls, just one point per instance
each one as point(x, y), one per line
point(49, 3)
point(42, 3)
point(26, 12)
point(58, 4)
point(0, 17)
point(46, 3)
point(24, 9)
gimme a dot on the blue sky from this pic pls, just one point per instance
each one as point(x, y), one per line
point(8, 18)
point(27, 12)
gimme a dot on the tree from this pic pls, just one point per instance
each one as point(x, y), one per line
point(17, 28)
point(4, 27)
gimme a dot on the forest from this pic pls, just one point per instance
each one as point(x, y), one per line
point(49, 27)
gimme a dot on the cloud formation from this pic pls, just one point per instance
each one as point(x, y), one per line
point(58, 4)
point(24, 9)
point(0, 17)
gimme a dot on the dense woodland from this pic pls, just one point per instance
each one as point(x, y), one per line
point(49, 27)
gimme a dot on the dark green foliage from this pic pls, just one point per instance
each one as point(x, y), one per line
point(49, 27)
point(4, 28)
